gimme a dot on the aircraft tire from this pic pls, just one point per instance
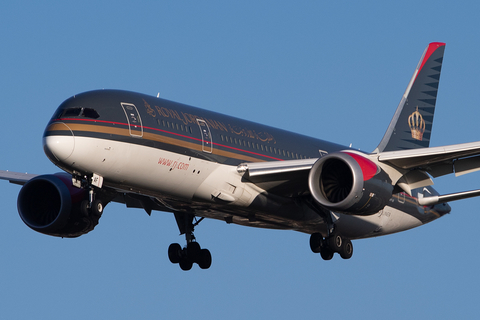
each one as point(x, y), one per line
point(316, 242)
point(193, 251)
point(335, 243)
point(97, 207)
point(174, 252)
point(84, 208)
point(346, 251)
point(205, 259)
point(185, 264)
point(326, 254)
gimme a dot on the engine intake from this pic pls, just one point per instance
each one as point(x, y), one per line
point(349, 183)
point(50, 204)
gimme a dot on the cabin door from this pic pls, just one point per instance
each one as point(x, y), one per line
point(134, 120)
point(206, 136)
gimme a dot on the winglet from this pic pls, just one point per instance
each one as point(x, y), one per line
point(411, 126)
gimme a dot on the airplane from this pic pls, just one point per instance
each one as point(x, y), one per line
point(151, 153)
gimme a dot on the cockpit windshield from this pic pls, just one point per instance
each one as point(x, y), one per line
point(79, 112)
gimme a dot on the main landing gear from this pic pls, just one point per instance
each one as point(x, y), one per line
point(192, 252)
point(328, 246)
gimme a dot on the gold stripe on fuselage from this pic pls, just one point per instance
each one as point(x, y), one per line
point(124, 132)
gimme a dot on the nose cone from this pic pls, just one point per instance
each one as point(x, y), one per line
point(60, 145)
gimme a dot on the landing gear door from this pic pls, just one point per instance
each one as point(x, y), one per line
point(206, 136)
point(133, 118)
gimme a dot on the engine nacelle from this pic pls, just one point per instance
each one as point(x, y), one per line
point(349, 183)
point(50, 204)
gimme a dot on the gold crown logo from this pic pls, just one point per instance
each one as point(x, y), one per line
point(417, 125)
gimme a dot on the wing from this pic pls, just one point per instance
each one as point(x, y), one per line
point(290, 178)
point(438, 161)
point(287, 178)
point(16, 177)
point(131, 200)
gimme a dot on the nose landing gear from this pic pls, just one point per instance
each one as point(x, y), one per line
point(97, 199)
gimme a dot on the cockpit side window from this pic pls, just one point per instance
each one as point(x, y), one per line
point(90, 113)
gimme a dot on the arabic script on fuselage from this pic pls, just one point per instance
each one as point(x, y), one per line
point(188, 118)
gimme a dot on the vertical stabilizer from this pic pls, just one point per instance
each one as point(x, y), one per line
point(411, 126)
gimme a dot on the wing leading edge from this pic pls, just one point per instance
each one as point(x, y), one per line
point(16, 177)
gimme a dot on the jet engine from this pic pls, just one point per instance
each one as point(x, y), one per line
point(50, 204)
point(349, 183)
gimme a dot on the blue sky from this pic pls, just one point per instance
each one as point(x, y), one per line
point(335, 71)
